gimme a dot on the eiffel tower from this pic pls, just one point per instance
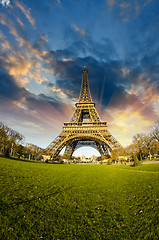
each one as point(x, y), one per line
point(84, 128)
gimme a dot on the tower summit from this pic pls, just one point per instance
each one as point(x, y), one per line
point(84, 128)
point(85, 95)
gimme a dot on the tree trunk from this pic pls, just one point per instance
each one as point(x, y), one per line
point(11, 152)
point(150, 155)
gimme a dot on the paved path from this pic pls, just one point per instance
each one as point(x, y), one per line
point(144, 162)
point(150, 162)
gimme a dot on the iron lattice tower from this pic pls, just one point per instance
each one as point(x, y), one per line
point(84, 128)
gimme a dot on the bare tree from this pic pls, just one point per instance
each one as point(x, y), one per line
point(155, 131)
point(139, 143)
point(9, 138)
point(33, 151)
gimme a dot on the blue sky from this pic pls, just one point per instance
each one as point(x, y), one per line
point(44, 46)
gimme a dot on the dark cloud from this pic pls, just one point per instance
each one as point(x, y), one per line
point(110, 83)
point(10, 91)
point(84, 44)
point(8, 87)
point(59, 55)
point(103, 78)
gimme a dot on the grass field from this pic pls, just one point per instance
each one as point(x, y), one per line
point(48, 201)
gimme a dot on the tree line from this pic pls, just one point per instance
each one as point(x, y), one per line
point(11, 144)
point(144, 146)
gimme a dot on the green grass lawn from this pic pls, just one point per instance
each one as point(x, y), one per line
point(49, 201)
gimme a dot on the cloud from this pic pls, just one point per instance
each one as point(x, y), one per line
point(20, 36)
point(125, 88)
point(5, 2)
point(22, 62)
point(67, 59)
point(20, 22)
point(125, 128)
point(119, 84)
point(80, 31)
point(111, 3)
point(122, 94)
point(23, 81)
point(26, 12)
point(16, 65)
point(23, 110)
point(37, 75)
point(9, 90)
point(128, 9)
point(83, 45)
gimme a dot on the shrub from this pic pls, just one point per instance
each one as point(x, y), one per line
point(109, 162)
point(136, 161)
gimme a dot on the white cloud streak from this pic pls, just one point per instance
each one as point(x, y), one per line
point(5, 2)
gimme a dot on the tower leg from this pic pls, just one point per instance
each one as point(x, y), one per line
point(103, 150)
point(100, 150)
point(70, 147)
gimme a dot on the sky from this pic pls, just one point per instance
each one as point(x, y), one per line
point(44, 45)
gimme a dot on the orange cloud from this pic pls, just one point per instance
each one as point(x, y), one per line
point(23, 81)
point(37, 76)
point(20, 22)
point(6, 45)
point(26, 12)
point(67, 60)
point(81, 31)
point(20, 63)
point(3, 19)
